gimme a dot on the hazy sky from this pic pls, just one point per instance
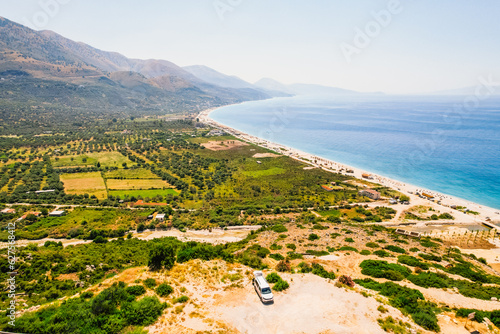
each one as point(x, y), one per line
point(416, 46)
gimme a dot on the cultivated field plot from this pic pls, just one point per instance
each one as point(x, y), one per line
point(73, 161)
point(223, 145)
point(265, 172)
point(84, 183)
point(106, 159)
point(143, 193)
point(137, 173)
point(138, 184)
point(111, 159)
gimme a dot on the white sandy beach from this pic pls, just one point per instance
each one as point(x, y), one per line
point(446, 201)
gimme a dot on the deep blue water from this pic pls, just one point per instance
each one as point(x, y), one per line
point(438, 143)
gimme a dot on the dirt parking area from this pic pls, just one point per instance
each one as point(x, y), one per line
point(310, 305)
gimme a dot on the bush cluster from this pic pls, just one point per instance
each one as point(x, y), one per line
point(408, 300)
point(382, 269)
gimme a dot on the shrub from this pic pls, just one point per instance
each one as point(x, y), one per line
point(365, 252)
point(281, 285)
point(335, 235)
point(406, 299)
point(143, 312)
point(348, 248)
point(273, 278)
point(395, 249)
point(181, 299)
point(293, 256)
point(427, 319)
point(346, 280)
point(313, 237)
point(349, 240)
point(277, 257)
point(429, 244)
point(319, 227)
point(87, 295)
point(382, 253)
point(279, 228)
point(304, 267)
point(446, 215)
point(430, 257)
point(291, 246)
point(427, 280)
point(412, 262)
point(150, 283)
point(275, 247)
point(162, 256)
point(135, 290)
point(250, 259)
point(318, 270)
point(464, 270)
point(482, 260)
point(283, 266)
point(382, 269)
point(372, 245)
point(316, 253)
point(164, 290)
point(382, 309)
point(414, 249)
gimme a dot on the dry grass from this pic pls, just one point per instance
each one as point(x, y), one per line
point(84, 183)
point(140, 184)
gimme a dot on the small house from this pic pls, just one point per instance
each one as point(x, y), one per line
point(160, 217)
point(370, 193)
point(8, 210)
point(57, 213)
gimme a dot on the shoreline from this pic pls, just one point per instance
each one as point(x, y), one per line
point(442, 201)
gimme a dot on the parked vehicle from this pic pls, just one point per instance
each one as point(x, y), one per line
point(262, 287)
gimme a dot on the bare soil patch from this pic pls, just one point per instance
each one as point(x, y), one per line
point(223, 145)
point(265, 155)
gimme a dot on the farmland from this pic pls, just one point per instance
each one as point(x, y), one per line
point(143, 193)
point(85, 183)
point(132, 173)
point(135, 184)
point(105, 159)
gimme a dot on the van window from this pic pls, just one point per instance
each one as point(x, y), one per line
point(266, 290)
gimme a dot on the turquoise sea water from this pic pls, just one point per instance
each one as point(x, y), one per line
point(445, 144)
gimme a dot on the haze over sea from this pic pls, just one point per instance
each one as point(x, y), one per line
point(431, 142)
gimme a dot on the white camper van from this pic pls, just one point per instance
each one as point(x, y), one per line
point(262, 287)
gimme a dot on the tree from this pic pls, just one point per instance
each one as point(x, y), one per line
point(404, 198)
point(162, 256)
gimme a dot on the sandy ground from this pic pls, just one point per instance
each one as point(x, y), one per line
point(223, 145)
point(311, 305)
point(265, 155)
point(410, 190)
point(216, 236)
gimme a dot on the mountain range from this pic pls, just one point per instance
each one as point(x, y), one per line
point(46, 72)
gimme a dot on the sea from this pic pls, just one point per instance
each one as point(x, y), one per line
point(448, 144)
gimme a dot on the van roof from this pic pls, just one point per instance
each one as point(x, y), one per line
point(262, 282)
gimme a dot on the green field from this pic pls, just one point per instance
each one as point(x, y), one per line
point(143, 193)
point(76, 160)
point(136, 173)
point(111, 159)
point(106, 159)
point(265, 172)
